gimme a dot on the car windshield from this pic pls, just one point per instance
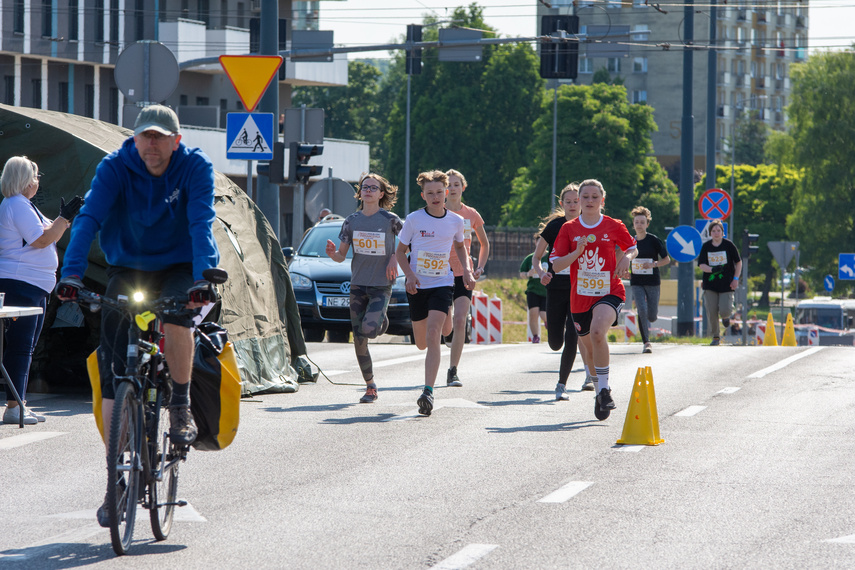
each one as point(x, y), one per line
point(316, 241)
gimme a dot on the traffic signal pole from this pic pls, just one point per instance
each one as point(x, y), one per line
point(268, 193)
point(685, 273)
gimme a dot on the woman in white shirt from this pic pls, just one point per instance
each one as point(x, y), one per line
point(28, 264)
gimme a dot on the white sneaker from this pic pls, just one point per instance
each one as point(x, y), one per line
point(30, 412)
point(560, 392)
point(13, 416)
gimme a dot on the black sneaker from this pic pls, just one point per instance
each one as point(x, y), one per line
point(370, 396)
point(425, 403)
point(101, 514)
point(605, 399)
point(182, 428)
point(452, 380)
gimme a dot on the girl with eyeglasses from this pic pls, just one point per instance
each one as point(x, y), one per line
point(371, 231)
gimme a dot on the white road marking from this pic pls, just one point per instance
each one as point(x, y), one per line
point(335, 372)
point(469, 555)
point(629, 448)
point(182, 514)
point(61, 540)
point(691, 411)
point(786, 362)
point(437, 405)
point(843, 539)
point(28, 438)
point(728, 390)
point(566, 492)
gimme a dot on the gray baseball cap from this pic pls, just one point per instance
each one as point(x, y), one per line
point(156, 118)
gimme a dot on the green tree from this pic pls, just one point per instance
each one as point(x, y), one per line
point(600, 135)
point(751, 133)
point(822, 121)
point(474, 117)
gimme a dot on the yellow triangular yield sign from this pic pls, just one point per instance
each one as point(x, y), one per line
point(250, 75)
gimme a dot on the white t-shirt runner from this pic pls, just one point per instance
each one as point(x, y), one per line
point(431, 240)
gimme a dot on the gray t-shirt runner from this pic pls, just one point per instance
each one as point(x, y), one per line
point(372, 239)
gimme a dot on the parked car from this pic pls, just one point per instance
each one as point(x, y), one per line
point(322, 287)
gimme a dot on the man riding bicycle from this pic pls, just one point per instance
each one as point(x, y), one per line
point(153, 203)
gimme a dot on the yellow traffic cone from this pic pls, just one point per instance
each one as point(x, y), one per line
point(789, 337)
point(771, 338)
point(641, 426)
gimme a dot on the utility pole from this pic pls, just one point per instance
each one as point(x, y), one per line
point(267, 193)
point(685, 274)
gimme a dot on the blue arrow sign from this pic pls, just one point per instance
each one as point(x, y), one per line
point(683, 243)
point(829, 283)
point(249, 136)
point(846, 267)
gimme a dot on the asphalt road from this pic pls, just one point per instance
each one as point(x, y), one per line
point(755, 470)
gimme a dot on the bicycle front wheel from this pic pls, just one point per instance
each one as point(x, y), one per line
point(163, 487)
point(124, 463)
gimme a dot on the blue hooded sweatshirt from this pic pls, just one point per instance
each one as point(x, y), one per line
point(147, 222)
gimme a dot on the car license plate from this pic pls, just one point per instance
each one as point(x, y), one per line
point(336, 301)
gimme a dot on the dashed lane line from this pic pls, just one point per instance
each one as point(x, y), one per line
point(690, 411)
point(566, 492)
point(466, 557)
point(28, 438)
point(728, 390)
point(785, 362)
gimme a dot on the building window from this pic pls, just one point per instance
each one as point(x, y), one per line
point(241, 15)
point(202, 101)
point(99, 22)
point(47, 18)
point(639, 65)
point(139, 20)
point(37, 93)
point(114, 106)
point(89, 101)
point(586, 65)
point(224, 13)
point(639, 96)
point(639, 32)
point(18, 17)
point(63, 96)
point(182, 100)
point(114, 22)
point(203, 12)
point(73, 28)
point(613, 65)
point(9, 89)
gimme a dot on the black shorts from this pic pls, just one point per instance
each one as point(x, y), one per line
point(426, 300)
point(533, 300)
point(583, 320)
point(460, 289)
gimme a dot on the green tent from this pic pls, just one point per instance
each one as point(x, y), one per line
point(258, 306)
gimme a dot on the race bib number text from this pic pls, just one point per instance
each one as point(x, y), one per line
point(369, 243)
point(637, 268)
point(717, 258)
point(432, 263)
point(592, 283)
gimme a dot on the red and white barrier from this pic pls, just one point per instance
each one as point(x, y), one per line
point(630, 325)
point(813, 336)
point(759, 333)
point(487, 319)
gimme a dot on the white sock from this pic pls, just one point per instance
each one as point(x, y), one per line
point(602, 378)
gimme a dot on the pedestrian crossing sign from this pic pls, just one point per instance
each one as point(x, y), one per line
point(249, 136)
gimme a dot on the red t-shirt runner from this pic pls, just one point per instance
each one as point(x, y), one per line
point(592, 275)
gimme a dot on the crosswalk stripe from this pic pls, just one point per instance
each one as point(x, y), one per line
point(28, 438)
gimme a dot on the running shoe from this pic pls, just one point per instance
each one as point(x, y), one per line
point(425, 403)
point(370, 396)
point(535, 339)
point(715, 341)
point(561, 392)
point(101, 514)
point(13, 416)
point(647, 348)
point(605, 399)
point(588, 385)
point(452, 380)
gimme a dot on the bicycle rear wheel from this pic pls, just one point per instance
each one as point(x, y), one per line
point(163, 493)
point(123, 467)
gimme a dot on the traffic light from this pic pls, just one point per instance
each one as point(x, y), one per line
point(275, 169)
point(299, 155)
point(559, 59)
point(414, 56)
point(747, 241)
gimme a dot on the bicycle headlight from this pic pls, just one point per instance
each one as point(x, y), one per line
point(138, 296)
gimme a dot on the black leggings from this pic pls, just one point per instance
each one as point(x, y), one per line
point(560, 329)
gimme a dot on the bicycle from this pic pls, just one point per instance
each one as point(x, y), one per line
point(142, 462)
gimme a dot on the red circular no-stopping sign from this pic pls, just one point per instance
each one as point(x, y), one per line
point(715, 203)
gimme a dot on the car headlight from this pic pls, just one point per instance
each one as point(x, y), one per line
point(400, 283)
point(300, 281)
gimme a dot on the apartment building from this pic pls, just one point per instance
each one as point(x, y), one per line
point(756, 43)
